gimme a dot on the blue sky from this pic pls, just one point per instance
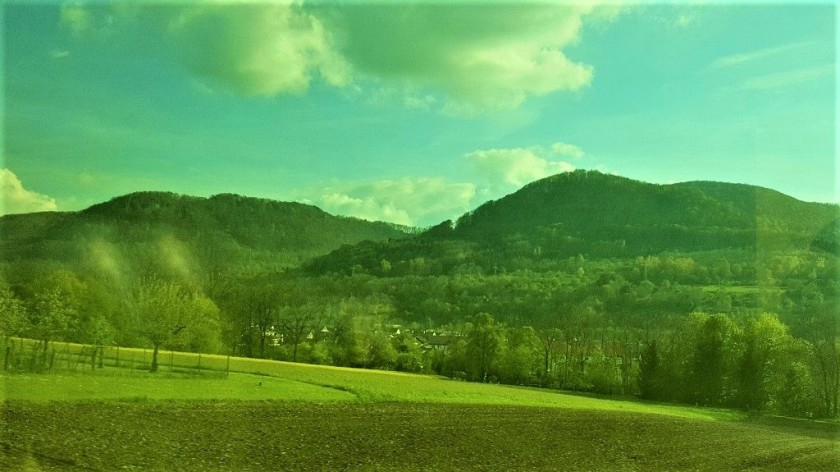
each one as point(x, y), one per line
point(410, 114)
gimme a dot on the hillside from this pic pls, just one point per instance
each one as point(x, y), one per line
point(601, 216)
point(150, 228)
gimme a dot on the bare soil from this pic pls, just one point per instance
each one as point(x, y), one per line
point(193, 436)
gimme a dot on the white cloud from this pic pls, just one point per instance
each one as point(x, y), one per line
point(684, 20)
point(515, 167)
point(567, 150)
point(486, 56)
point(418, 201)
point(17, 199)
point(59, 54)
point(262, 49)
point(266, 49)
point(788, 78)
point(477, 56)
point(744, 58)
point(78, 18)
point(369, 208)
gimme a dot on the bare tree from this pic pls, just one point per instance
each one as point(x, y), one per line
point(296, 323)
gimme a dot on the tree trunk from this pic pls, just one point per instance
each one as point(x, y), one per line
point(154, 367)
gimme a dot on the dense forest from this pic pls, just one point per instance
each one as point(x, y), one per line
point(700, 292)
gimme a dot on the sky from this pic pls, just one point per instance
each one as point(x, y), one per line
point(411, 114)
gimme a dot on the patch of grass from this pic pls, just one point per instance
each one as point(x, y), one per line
point(303, 382)
point(75, 387)
point(384, 386)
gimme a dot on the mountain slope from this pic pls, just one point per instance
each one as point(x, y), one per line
point(598, 215)
point(650, 217)
point(223, 230)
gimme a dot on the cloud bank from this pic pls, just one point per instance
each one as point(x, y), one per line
point(483, 56)
point(411, 202)
point(17, 199)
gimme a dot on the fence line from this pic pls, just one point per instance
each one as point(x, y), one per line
point(28, 355)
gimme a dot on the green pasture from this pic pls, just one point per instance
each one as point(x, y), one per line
point(236, 378)
point(85, 386)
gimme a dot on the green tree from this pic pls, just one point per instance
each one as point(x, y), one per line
point(13, 316)
point(51, 316)
point(521, 361)
point(650, 373)
point(710, 362)
point(348, 347)
point(381, 353)
point(168, 314)
point(13, 321)
point(763, 364)
point(485, 340)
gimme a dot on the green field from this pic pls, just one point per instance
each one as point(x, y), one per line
point(283, 416)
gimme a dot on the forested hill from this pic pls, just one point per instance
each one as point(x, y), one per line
point(147, 229)
point(599, 215)
point(591, 206)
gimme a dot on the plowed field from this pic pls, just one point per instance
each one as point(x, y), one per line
point(288, 436)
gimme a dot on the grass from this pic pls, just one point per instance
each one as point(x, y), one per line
point(85, 386)
point(284, 416)
point(303, 382)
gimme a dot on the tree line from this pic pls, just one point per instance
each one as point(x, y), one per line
point(658, 327)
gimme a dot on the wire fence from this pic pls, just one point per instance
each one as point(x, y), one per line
point(28, 355)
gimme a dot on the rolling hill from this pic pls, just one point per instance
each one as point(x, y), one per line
point(602, 216)
point(149, 229)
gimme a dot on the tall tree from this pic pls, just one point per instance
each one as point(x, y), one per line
point(297, 322)
point(650, 373)
point(12, 314)
point(166, 313)
point(763, 365)
point(51, 316)
point(485, 340)
point(710, 363)
point(13, 320)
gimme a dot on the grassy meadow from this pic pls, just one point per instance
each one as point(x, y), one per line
point(264, 414)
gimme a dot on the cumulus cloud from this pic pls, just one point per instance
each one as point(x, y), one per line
point(262, 49)
point(17, 199)
point(418, 201)
point(567, 150)
point(516, 166)
point(256, 49)
point(489, 55)
point(481, 56)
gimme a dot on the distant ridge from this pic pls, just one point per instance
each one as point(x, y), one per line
point(224, 229)
point(600, 215)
